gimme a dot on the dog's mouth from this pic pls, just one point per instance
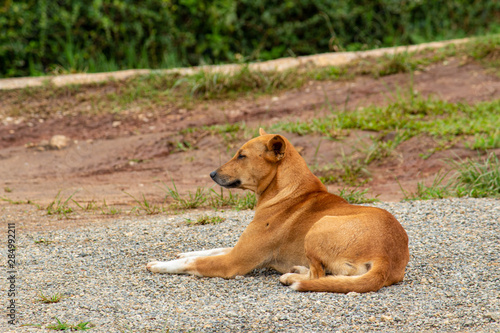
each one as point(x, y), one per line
point(233, 184)
point(223, 182)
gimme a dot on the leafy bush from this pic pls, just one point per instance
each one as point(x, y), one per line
point(48, 36)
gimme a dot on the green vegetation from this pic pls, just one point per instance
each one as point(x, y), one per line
point(409, 117)
point(43, 241)
point(192, 200)
point(56, 298)
point(60, 326)
point(145, 205)
point(235, 201)
point(16, 202)
point(486, 141)
point(346, 170)
point(206, 219)
point(354, 196)
point(59, 206)
point(157, 90)
point(45, 37)
point(477, 179)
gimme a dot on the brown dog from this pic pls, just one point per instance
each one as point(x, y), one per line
point(298, 223)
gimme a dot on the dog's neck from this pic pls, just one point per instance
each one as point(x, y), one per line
point(292, 179)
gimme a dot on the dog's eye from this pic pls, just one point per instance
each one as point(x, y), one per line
point(241, 156)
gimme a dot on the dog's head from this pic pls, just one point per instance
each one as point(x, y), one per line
point(254, 165)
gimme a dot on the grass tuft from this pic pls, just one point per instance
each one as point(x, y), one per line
point(206, 219)
point(234, 201)
point(43, 241)
point(56, 298)
point(60, 326)
point(145, 205)
point(354, 196)
point(59, 206)
point(192, 200)
point(476, 179)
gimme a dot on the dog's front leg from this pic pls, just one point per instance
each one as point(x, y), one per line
point(206, 253)
point(185, 263)
point(227, 265)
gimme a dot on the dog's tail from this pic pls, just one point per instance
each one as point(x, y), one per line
point(372, 280)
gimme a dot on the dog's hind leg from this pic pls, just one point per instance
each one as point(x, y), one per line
point(205, 253)
point(301, 273)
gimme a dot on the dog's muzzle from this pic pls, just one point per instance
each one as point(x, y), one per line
point(222, 181)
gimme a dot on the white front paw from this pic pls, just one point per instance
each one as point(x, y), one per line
point(179, 266)
point(154, 266)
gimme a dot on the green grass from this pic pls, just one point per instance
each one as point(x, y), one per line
point(476, 179)
point(354, 196)
point(348, 170)
point(437, 190)
point(56, 298)
point(63, 326)
point(382, 146)
point(190, 201)
point(410, 117)
point(205, 220)
point(89, 206)
point(231, 200)
point(144, 205)
point(16, 202)
point(109, 210)
point(210, 198)
point(486, 50)
point(60, 206)
point(486, 141)
point(43, 241)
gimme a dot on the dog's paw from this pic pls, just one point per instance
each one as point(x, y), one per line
point(155, 266)
point(179, 266)
point(287, 279)
point(299, 270)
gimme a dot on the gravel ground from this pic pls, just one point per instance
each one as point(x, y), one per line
point(452, 282)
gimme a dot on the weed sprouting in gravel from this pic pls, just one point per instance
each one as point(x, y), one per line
point(56, 298)
point(43, 241)
point(63, 326)
point(205, 219)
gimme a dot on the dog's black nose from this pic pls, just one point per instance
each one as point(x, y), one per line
point(213, 174)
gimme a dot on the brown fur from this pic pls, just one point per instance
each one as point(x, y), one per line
point(298, 223)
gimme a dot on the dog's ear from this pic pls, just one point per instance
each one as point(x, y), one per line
point(277, 146)
point(261, 131)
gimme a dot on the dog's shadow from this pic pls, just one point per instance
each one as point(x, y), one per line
point(264, 272)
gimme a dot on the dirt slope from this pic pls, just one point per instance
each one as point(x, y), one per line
point(138, 152)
